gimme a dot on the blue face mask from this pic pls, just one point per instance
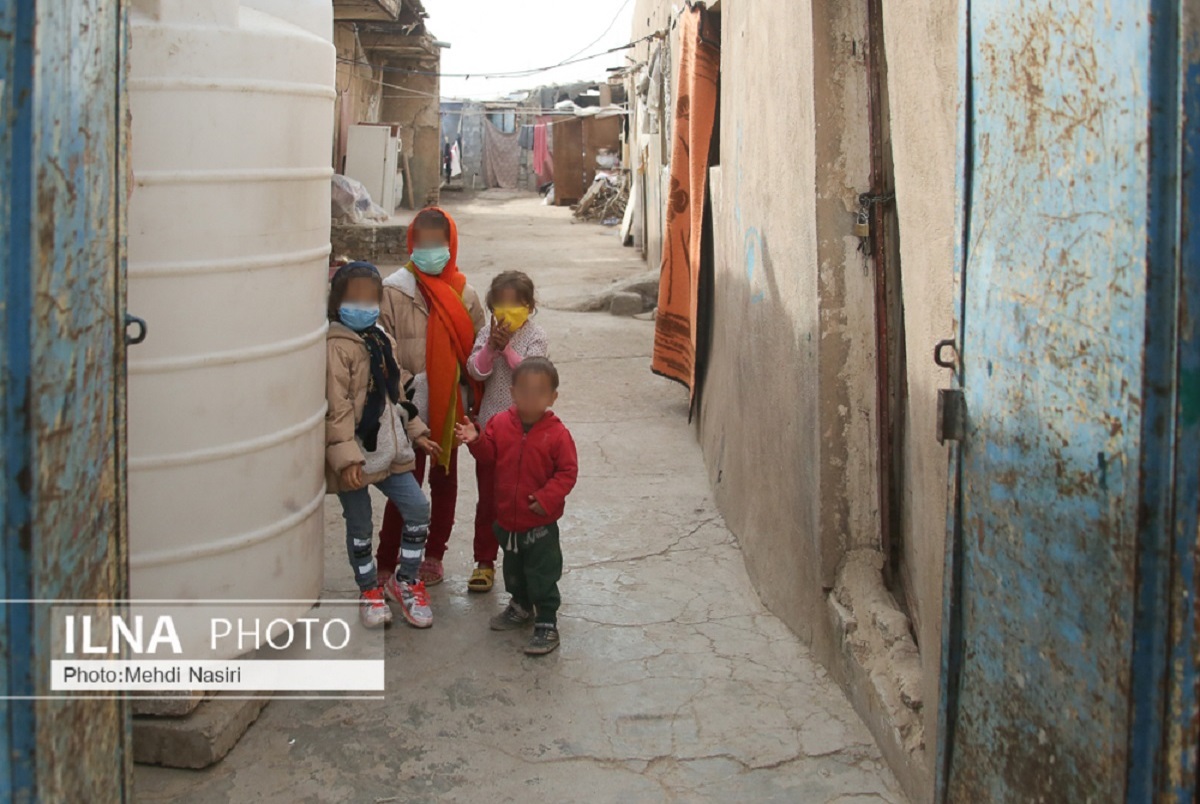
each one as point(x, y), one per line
point(359, 317)
point(431, 261)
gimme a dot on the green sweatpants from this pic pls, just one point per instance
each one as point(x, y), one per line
point(533, 565)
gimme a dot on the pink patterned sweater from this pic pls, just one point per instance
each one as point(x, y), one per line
point(495, 370)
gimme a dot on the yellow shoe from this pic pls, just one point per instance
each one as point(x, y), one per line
point(482, 580)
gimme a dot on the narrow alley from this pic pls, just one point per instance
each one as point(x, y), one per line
point(673, 683)
point(874, 361)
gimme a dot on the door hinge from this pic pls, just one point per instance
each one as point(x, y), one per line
point(952, 415)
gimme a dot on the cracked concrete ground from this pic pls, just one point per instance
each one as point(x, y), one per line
point(673, 683)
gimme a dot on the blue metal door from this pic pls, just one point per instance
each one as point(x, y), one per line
point(62, 195)
point(1066, 577)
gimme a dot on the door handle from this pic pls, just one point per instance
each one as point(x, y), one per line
point(939, 349)
point(134, 321)
point(951, 402)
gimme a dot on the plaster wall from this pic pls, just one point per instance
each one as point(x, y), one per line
point(788, 417)
point(922, 47)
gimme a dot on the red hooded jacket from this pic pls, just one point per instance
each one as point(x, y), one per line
point(541, 463)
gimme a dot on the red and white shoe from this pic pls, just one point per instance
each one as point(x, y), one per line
point(373, 609)
point(413, 600)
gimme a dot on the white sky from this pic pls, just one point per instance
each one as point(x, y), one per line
point(491, 36)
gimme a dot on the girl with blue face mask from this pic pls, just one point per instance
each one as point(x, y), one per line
point(372, 433)
point(434, 314)
point(431, 260)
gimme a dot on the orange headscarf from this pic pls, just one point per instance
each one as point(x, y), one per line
point(448, 341)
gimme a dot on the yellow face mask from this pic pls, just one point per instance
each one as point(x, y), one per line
point(512, 317)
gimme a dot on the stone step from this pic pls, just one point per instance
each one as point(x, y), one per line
point(196, 740)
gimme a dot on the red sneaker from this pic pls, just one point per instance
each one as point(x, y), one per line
point(373, 609)
point(413, 600)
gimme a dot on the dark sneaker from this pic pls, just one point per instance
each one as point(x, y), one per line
point(543, 641)
point(511, 618)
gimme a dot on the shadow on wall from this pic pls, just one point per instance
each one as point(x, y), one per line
point(768, 487)
point(755, 239)
point(764, 477)
point(761, 425)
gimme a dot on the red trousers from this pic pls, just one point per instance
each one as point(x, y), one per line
point(486, 546)
point(443, 496)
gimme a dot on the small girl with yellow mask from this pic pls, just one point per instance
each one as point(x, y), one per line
point(501, 345)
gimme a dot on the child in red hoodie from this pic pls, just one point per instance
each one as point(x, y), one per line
point(536, 468)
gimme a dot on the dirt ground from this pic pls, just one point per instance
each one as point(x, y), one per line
point(673, 683)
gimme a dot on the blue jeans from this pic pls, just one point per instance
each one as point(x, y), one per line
point(405, 493)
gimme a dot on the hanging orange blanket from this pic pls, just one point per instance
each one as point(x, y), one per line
point(695, 113)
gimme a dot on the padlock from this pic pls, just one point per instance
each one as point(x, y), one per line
point(862, 229)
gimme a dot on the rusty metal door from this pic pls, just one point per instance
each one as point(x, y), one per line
point(62, 186)
point(1066, 582)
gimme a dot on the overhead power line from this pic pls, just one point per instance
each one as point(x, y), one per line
point(595, 41)
point(410, 93)
point(518, 110)
point(504, 74)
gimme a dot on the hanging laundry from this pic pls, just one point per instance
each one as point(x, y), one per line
point(675, 328)
point(666, 119)
point(653, 108)
point(455, 161)
point(501, 157)
point(526, 138)
point(543, 163)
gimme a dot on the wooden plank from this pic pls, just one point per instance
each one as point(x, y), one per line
point(408, 184)
point(569, 183)
point(599, 133)
point(366, 10)
point(635, 195)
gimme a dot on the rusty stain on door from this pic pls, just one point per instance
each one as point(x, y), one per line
point(62, 497)
point(1070, 357)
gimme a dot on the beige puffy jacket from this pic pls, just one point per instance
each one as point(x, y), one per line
point(347, 373)
point(405, 316)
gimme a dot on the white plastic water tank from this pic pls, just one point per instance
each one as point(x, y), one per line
point(232, 119)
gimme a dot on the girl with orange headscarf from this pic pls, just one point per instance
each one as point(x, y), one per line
point(434, 315)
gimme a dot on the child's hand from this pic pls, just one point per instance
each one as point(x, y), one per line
point(536, 506)
point(429, 447)
point(352, 477)
point(500, 337)
point(466, 433)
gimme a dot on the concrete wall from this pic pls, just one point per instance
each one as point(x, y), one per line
point(526, 177)
point(847, 352)
point(472, 135)
point(472, 116)
point(464, 119)
point(416, 108)
point(788, 420)
point(922, 48)
point(761, 406)
point(650, 149)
